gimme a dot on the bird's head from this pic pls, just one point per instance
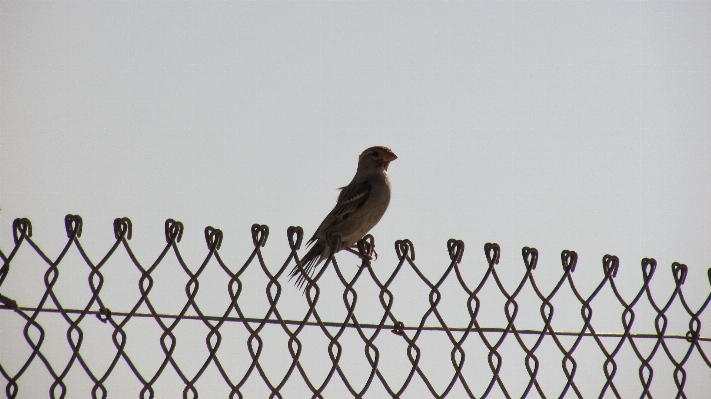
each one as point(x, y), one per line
point(375, 158)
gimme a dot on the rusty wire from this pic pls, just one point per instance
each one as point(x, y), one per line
point(368, 333)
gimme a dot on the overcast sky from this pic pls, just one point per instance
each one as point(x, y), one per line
point(557, 125)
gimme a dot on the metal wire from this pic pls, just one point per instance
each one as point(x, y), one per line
point(368, 333)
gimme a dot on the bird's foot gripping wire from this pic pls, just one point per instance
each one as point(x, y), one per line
point(366, 257)
point(354, 249)
point(364, 248)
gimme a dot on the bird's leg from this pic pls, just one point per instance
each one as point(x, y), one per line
point(354, 249)
point(364, 257)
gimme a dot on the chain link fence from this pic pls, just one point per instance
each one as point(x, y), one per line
point(660, 349)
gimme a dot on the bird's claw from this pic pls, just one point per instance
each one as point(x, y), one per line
point(355, 250)
point(366, 257)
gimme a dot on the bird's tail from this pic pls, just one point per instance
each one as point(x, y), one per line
point(308, 264)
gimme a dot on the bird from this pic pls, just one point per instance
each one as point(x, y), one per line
point(360, 206)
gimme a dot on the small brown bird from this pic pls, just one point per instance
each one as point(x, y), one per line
point(360, 206)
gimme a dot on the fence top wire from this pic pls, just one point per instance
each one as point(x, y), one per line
point(368, 333)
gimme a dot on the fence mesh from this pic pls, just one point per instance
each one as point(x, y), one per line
point(481, 384)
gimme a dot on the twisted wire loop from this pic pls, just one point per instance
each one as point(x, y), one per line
point(313, 324)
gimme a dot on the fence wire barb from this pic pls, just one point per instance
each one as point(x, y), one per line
point(312, 322)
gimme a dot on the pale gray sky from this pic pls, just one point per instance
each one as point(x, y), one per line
point(556, 125)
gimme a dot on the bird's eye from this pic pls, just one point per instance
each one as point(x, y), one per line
point(376, 154)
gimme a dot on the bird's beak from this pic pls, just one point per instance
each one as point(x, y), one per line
point(390, 157)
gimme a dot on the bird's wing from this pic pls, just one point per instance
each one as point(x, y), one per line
point(351, 198)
